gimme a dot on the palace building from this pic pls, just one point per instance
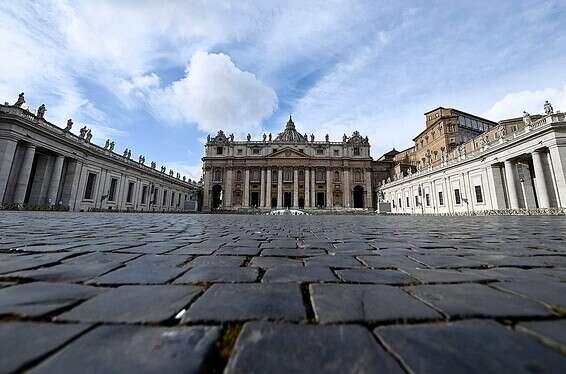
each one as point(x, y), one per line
point(291, 170)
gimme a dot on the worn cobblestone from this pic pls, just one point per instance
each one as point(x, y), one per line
point(331, 294)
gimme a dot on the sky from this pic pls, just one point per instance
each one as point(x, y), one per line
point(159, 76)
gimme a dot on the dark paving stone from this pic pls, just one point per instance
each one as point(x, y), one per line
point(284, 348)
point(78, 269)
point(368, 303)
point(440, 261)
point(148, 269)
point(47, 247)
point(548, 292)
point(448, 275)
point(153, 248)
point(286, 274)
point(196, 250)
point(333, 261)
point(10, 263)
point(288, 252)
point(22, 343)
point(320, 244)
point(389, 262)
point(241, 302)
point(379, 276)
point(131, 304)
point(218, 274)
point(136, 349)
point(238, 251)
point(233, 261)
point(280, 243)
point(471, 300)
point(271, 262)
point(40, 298)
point(553, 332)
point(469, 347)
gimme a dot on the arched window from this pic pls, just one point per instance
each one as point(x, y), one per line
point(217, 175)
point(336, 176)
point(358, 176)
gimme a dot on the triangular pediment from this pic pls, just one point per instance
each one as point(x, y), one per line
point(287, 153)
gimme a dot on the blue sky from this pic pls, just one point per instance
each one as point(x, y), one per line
point(157, 76)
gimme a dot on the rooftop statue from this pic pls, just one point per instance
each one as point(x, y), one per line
point(125, 152)
point(312, 137)
point(129, 153)
point(107, 144)
point(153, 164)
point(527, 118)
point(82, 132)
point(41, 111)
point(69, 125)
point(548, 109)
point(327, 138)
point(249, 137)
point(111, 148)
point(264, 136)
point(344, 138)
point(88, 135)
point(21, 100)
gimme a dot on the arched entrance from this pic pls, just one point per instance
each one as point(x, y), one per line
point(216, 196)
point(358, 197)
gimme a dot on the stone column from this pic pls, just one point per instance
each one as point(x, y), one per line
point(228, 190)
point(206, 203)
point(55, 180)
point(313, 188)
point(307, 188)
point(246, 202)
point(329, 188)
point(558, 168)
point(295, 188)
point(540, 181)
point(268, 188)
point(346, 187)
point(369, 192)
point(7, 153)
point(511, 184)
point(280, 188)
point(24, 175)
point(262, 189)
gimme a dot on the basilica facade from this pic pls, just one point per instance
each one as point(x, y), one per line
point(290, 170)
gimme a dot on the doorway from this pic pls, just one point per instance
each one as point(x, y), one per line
point(216, 196)
point(358, 197)
point(320, 199)
point(287, 199)
point(255, 199)
point(301, 203)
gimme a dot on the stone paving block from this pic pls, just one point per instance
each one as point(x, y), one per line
point(195, 250)
point(473, 300)
point(333, 261)
point(320, 244)
point(271, 262)
point(10, 263)
point(133, 304)
point(147, 269)
point(379, 276)
point(241, 302)
point(47, 247)
point(553, 332)
point(469, 347)
point(136, 349)
point(444, 261)
point(547, 292)
point(449, 275)
point(153, 248)
point(22, 343)
point(285, 348)
point(288, 252)
point(389, 262)
point(218, 274)
point(280, 243)
point(40, 298)
point(286, 274)
point(78, 269)
point(238, 251)
point(234, 261)
point(368, 303)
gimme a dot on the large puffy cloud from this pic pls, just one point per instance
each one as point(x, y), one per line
point(532, 101)
point(216, 95)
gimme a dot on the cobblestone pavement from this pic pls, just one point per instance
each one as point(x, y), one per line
point(263, 294)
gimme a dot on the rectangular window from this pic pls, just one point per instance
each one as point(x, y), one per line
point(112, 190)
point(179, 200)
point(89, 189)
point(416, 201)
point(400, 203)
point(457, 196)
point(240, 151)
point(219, 150)
point(255, 151)
point(320, 151)
point(427, 199)
point(408, 202)
point(155, 194)
point(440, 198)
point(144, 194)
point(356, 151)
point(130, 192)
point(172, 198)
point(336, 152)
point(479, 196)
point(164, 198)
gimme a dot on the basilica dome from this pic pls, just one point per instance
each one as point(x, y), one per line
point(290, 135)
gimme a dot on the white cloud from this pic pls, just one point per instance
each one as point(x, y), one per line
point(216, 95)
point(513, 104)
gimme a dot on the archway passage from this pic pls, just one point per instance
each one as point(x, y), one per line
point(358, 197)
point(216, 196)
